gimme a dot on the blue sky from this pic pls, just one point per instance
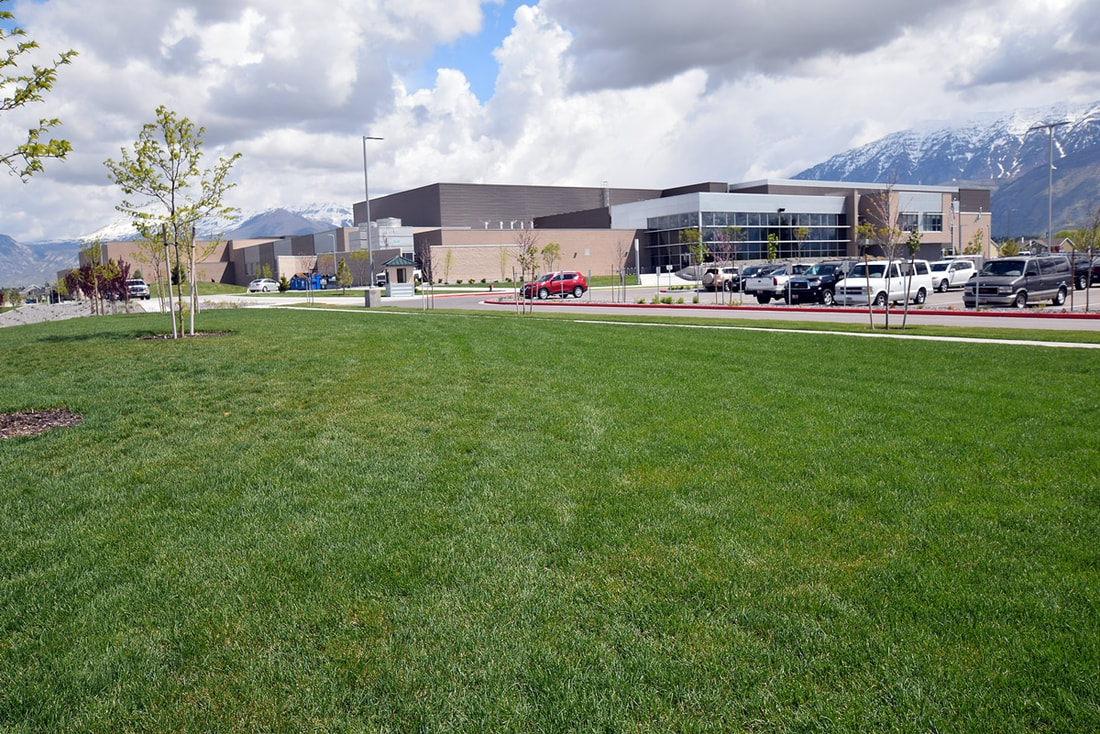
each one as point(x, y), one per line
point(555, 92)
point(473, 54)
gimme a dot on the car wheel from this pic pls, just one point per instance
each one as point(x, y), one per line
point(827, 298)
point(921, 297)
point(1021, 300)
point(1060, 296)
point(942, 287)
point(578, 292)
point(1081, 283)
point(265, 289)
point(880, 300)
point(543, 294)
point(765, 300)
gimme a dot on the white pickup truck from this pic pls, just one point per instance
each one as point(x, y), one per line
point(773, 283)
point(884, 282)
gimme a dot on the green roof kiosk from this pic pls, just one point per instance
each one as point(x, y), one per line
point(399, 277)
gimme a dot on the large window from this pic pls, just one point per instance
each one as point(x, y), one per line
point(744, 236)
point(909, 222)
point(933, 222)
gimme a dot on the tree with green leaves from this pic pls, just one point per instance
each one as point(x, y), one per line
point(881, 228)
point(343, 276)
point(172, 192)
point(1009, 248)
point(19, 88)
point(693, 238)
point(974, 247)
point(801, 235)
point(773, 246)
point(551, 253)
point(912, 244)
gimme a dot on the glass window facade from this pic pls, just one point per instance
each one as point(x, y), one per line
point(744, 236)
point(909, 222)
point(933, 222)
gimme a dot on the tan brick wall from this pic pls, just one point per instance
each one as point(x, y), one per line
point(491, 254)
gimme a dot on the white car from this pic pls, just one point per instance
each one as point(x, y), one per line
point(951, 274)
point(885, 282)
point(263, 285)
point(137, 288)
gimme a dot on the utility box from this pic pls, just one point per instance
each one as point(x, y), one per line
point(372, 297)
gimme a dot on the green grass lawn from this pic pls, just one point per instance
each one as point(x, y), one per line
point(327, 521)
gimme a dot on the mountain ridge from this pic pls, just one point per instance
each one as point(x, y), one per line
point(1007, 153)
point(39, 262)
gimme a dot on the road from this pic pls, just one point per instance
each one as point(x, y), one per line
point(944, 309)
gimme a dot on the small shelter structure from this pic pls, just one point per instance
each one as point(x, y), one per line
point(399, 277)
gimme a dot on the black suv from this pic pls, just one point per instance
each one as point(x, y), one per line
point(818, 284)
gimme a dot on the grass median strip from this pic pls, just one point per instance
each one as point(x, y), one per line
point(454, 523)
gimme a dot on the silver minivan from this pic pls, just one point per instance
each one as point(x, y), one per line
point(1018, 281)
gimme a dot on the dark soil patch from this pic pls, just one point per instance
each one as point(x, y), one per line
point(36, 422)
point(185, 336)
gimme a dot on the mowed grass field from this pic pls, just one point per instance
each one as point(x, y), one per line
point(325, 521)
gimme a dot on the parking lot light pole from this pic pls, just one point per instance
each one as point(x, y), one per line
point(1049, 127)
point(366, 193)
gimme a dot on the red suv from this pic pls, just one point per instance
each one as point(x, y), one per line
point(559, 283)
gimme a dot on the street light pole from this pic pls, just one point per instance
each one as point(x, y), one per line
point(1049, 127)
point(333, 236)
point(366, 193)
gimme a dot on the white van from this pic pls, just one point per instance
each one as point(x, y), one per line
point(885, 281)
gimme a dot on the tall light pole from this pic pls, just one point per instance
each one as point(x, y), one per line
point(333, 236)
point(1049, 127)
point(366, 193)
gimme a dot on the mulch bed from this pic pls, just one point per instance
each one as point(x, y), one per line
point(196, 335)
point(13, 425)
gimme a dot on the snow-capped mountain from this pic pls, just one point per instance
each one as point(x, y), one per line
point(38, 262)
point(278, 222)
point(984, 152)
point(1008, 153)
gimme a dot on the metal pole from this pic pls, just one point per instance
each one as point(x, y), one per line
point(366, 193)
point(168, 281)
point(1049, 127)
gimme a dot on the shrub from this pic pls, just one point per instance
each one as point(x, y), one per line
point(695, 299)
point(667, 300)
point(681, 300)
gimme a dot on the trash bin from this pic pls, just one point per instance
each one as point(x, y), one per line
point(372, 297)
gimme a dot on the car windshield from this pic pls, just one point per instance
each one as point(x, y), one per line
point(877, 270)
point(939, 267)
point(1003, 267)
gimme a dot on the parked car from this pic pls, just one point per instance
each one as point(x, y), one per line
point(263, 285)
point(885, 281)
point(953, 273)
point(559, 283)
point(1080, 264)
point(1018, 281)
point(818, 283)
point(137, 288)
point(773, 283)
point(721, 278)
